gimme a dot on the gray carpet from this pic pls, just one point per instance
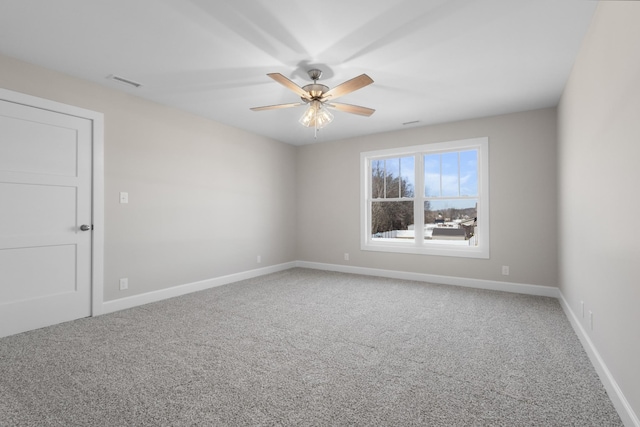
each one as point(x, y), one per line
point(309, 348)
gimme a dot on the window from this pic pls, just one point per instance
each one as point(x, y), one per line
point(429, 199)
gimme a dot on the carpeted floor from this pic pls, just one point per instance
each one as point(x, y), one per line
point(309, 348)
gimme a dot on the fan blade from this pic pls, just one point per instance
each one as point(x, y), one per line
point(275, 107)
point(348, 87)
point(289, 85)
point(353, 109)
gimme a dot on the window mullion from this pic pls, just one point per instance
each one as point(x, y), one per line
point(440, 159)
point(418, 200)
point(400, 177)
point(368, 200)
point(458, 173)
point(384, 180)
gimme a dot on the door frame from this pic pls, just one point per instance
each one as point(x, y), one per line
point(97, 182)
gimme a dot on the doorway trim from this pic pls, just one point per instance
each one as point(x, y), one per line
point(97, 182)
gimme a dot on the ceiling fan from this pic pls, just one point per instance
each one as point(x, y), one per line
point(318, 97)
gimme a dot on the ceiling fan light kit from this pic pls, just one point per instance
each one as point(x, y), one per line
point(316, 116)
point(316, 96)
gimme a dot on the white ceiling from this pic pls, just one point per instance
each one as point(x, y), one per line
point(432, 61)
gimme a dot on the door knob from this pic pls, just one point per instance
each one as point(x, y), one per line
point(85, 227)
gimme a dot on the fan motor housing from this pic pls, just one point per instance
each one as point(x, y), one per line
point(315, 90)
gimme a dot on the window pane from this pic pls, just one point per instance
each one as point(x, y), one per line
point(453, 194)
point(377, 179)
point(450, 183)
point(432, 175)
point(393, 178)
point(392, 220)
point(456, 217)
point(469, 173)
point(407, 172)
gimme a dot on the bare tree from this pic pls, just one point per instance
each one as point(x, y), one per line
point(390, 215)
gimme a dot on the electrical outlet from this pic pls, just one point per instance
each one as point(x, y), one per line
point(505, 270)
point(124, 283)
point(346, 256)
point(259, 259)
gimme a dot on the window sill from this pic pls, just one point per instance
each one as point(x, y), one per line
point(441, 248)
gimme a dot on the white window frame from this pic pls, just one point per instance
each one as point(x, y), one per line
point(419, 245)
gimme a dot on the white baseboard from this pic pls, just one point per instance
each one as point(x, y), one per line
point(519, 288)
point(146, 298)
point(149, 297)
point(620, 402)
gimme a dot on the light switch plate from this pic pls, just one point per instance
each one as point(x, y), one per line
point(124, 197)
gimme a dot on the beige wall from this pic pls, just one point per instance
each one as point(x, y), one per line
point(204, 199)
point(522, 165)
point(599, 153)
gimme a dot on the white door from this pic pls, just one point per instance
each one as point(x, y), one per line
point(45, 199)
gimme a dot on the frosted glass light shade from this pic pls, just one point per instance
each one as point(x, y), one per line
point(316, 116)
